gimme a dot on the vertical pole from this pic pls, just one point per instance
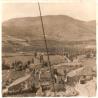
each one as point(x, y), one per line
point(46, 47)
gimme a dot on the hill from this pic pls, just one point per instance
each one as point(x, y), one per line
point(59, 30)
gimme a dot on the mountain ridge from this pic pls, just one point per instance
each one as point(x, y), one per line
point(58, 27)
point(60, 31)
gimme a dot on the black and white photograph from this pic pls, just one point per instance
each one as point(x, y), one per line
point(49, 49)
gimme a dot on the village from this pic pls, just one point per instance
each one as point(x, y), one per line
point(34, 78)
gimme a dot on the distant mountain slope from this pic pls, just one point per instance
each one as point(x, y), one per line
point(57, 27)
point(26, 33)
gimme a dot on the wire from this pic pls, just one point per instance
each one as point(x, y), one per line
point(46, 46)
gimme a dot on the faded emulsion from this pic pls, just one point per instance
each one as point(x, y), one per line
point(49, 54)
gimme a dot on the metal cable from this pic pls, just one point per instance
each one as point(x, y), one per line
point(46, 46)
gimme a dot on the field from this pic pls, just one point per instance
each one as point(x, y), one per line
point(9, 59)
point(55, 59)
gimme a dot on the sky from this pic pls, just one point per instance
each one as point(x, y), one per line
point(79, 9)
